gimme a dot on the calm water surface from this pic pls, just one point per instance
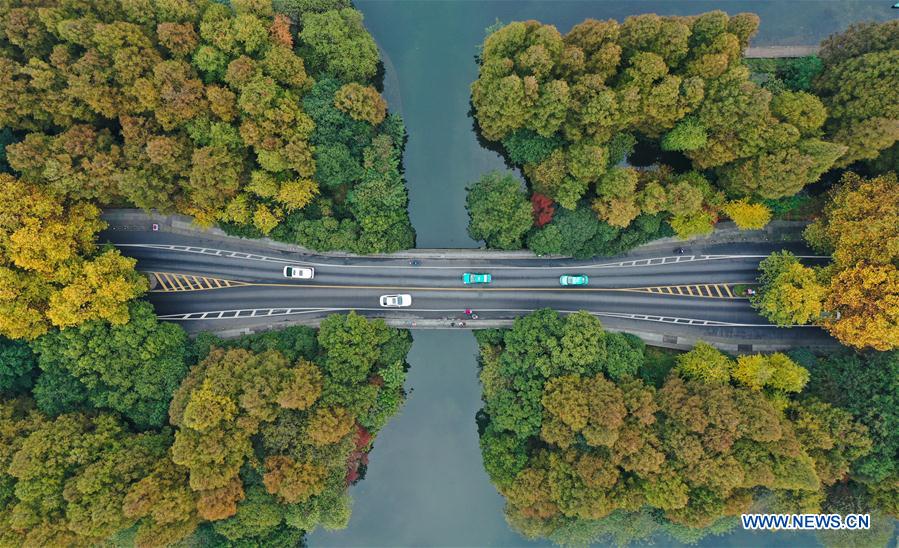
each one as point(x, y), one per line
point(426, 485)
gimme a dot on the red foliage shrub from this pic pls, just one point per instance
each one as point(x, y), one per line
point(543, 209)
point(359, 457)
point(363, 438)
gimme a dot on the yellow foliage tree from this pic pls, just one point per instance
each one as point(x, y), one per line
point(297, 194)
point(746, 215)
point(616, 211)
point(23, 304)
point(266, 219)
point(39, 234)
point(794, 296)
point(867, 300)
point(329, 425)
point(776, 371)
point(46, 275)
point(361, 103)
point(101, 290)
point(303, 387)
point(861, 222)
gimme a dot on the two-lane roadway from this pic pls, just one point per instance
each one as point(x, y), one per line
point(218, 283)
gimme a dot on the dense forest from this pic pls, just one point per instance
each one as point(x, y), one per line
point(731, 138)
point(264, 122)
point(590, 438)
point(134, 433)
point(117, 428)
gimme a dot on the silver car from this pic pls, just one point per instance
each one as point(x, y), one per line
point(396, 301)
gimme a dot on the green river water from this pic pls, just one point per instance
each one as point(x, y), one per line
point(425, 484)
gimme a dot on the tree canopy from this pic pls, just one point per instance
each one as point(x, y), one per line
point(499, 210)
point(201, 108)
point(859, 84)
point(51, 271)
point(856, 298)
point(132, 368)
point(266, 431)
point(561, 105)
point(571, 437)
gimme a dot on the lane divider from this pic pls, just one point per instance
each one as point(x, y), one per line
point(707, 291)
point(170, 282)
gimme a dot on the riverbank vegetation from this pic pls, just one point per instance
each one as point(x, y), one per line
point(134, 434)
point(732, 138)
point(231, 114)
point(588, 442)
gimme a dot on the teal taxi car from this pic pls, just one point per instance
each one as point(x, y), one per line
point(473, 278)
point(573, 279)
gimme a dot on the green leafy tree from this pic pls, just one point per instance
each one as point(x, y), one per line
point(686, 135)
point(689, 225)
point(567, 106)
point(858, 85)
point(800, 73)
point(705, 363)
point(73, 475)
point(867, 385)
point(17, 364)
point(132, 368)
point(183, 108)
point(546, 241)
point(529, 147)
point(802, 110)
point(338, 43)
point(499, 211)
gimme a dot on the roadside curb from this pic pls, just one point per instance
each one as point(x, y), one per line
point(725, 232)
point(676, 342)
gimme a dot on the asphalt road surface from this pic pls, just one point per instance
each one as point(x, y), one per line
point(218, 284)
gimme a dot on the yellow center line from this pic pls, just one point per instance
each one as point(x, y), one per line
point(166, 281)
point(472, 289)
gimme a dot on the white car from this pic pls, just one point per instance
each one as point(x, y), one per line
point(299, 272)
point(396, 301)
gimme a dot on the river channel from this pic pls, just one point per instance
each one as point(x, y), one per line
point(425, 485)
